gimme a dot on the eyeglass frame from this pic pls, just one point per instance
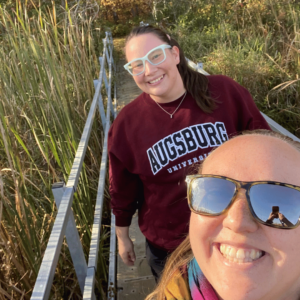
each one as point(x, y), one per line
point(238, 185)
point(145, 58)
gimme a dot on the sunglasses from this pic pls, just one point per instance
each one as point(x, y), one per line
point(155, 57)
point(271, 203)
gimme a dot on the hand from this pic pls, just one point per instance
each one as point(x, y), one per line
point(281, 216)
point(272, 216)
point(126, 251)
point(285, 221)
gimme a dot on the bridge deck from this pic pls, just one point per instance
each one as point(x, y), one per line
point(134, 283)
point(127, 90)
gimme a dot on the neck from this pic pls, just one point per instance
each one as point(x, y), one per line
point(163, 100)
point(177, 92)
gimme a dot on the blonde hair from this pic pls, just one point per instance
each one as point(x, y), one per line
point(176, 262)
point(183, 254)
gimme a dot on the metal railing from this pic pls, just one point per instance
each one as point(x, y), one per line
point(65, 223)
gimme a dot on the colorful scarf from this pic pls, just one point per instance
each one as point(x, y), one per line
point(200, 288)
point(190, 285)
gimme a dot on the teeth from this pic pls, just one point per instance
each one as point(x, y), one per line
point(227, 250)
point(222, 248)
point(232, 252)
point(253, 254)
point(258, 254)
point(240, 255)
point(158, 79)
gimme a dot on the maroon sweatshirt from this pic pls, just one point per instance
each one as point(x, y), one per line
point(151, 154)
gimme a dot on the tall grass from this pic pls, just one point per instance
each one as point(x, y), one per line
point(256, 42)
point(47, 67)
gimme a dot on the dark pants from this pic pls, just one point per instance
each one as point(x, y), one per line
point(156, 259)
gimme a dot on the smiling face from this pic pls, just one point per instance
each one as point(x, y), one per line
point(162, 82)
point(241, 258)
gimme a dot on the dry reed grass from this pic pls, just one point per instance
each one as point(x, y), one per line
point(47, 67)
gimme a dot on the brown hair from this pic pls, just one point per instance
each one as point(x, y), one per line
point(183, 254)
point(194, 82)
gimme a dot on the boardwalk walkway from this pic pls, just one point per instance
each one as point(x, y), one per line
point(134, 283)
point(127, 90)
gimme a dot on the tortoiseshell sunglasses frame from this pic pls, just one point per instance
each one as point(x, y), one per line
point(238, 185)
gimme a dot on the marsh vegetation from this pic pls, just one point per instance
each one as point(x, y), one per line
point(48, 60)
point(47, 66)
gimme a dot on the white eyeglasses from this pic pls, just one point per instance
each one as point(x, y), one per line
point(155, 57)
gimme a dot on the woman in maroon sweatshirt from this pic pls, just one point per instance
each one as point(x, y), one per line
point(157, 138)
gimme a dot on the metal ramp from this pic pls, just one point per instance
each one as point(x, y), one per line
point(135, 282)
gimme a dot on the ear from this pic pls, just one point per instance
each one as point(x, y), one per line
point(176, 54)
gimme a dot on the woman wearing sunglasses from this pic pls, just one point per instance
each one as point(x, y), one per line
point(243, 240)
point(177, 120)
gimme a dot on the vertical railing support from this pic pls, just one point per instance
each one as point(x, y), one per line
point(112, 290)
point(100, 105)
point(115, 100)
point(42, 287)
point(109, 52)
point(72, 236)
point(104, 75)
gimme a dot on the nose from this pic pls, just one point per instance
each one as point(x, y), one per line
point(239, 218)
point(149, 68)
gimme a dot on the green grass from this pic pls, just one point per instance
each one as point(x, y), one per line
point(47, 67)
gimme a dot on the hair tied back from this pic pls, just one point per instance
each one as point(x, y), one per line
point(143, 24)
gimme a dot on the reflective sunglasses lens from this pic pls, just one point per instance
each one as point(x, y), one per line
point(211, 195)
point(156, 57)
point(136, 67)
point(275, 204)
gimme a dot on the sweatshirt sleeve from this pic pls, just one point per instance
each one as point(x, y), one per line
point(124, 186)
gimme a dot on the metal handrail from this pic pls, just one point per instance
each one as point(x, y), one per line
point(64, 197)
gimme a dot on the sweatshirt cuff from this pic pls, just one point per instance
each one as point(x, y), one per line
point(123, 221)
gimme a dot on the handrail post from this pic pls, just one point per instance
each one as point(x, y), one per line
point(100, 105)
point(104, 74)
point(111, 63)
point(112, 290)
point(72, 236)
point(46, 273)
